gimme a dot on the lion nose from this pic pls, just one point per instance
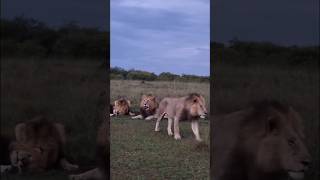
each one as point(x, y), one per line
point(306, 162)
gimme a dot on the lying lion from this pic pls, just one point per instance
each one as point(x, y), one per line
point(148, 107)
point(39, 146)
point(121, 107)
point(263, 142)
point(190, 107)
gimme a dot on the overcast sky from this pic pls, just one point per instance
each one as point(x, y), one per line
point(161, 37)
point(173, 35)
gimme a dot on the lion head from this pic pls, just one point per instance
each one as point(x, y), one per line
point(265, 141)
point(196, 106)
point(38, 144)
point(282, 148)
point(121, 107)
point(32, 158)
point(148, 105)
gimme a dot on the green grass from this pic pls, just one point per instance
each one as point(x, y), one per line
point(138, 152)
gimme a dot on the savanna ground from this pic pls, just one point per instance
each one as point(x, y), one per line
point(72, 92)
point(68, 91)
point(138, 152)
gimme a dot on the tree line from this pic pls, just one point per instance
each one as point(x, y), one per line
point(29, 38)
point(132, 74)
point(264, 53)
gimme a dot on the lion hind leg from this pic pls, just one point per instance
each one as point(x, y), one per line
point(157, 128)
point(67, 165)
point(95, 174)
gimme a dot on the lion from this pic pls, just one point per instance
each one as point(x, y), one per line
point(39, 146)
point(121, 107)
point(264, 141)
point(148, 107)
point(190, 107)
point(99, 173)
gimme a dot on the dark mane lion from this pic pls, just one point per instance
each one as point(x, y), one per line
point(264, 141)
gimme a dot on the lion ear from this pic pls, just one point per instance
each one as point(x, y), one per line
point(143, 96)
point(20, 132)
point(273, 125)
point(195, 100)
point(61, 132)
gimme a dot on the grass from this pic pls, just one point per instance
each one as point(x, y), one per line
point(73, 92)
point(137, 152)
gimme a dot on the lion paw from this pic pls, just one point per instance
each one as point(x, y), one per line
point(177, 137)
point(170, 133)
point(72, 167)
point(5, 168)
point(74, 177)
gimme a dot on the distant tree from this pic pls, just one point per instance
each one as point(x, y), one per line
point(167, 76)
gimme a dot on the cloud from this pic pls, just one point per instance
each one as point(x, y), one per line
point(161, 36)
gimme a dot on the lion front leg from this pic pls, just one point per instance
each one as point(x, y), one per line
point(169, 129)
point(66, 165)
point(176, 129)
point(149, 118)
point(95, 174)
point(195, 129)
point(5, 168)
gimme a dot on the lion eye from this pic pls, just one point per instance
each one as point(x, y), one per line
point(292, 142)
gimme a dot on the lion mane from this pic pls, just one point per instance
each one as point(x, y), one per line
point(39, 146)
point(264, 141)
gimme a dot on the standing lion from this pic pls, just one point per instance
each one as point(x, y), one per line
point(263, 142)
point(190, 107)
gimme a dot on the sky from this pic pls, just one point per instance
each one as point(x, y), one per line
point(172, 35)
point(93, 13)
point(161, 37)
point(283, 22)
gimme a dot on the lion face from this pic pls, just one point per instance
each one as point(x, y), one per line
point(121, 107)
point(283, 148)
point(197, 105)
point(148, 102)
point(27, 158)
